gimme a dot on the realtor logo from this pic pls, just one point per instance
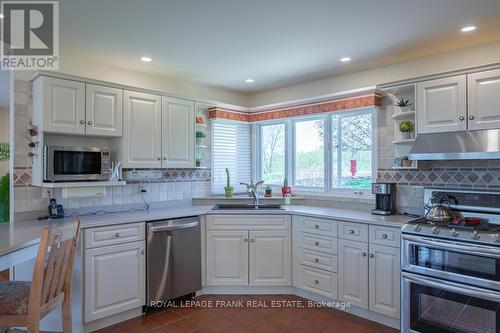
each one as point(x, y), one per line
point(30, 35)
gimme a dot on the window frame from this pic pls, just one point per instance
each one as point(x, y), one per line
point(290, 151)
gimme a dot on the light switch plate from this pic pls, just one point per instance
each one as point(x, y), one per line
point(417, 191)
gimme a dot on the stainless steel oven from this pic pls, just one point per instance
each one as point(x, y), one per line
point(66, 164)
point(449, 286)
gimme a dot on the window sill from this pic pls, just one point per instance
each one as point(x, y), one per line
point(348, 196)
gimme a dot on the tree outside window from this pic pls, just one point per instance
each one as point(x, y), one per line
point(273, 153)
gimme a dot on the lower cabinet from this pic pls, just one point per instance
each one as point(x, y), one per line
point(251, 256)
point(369, 276)
point(114, 279)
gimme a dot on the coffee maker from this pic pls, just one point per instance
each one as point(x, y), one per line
point(385, 198)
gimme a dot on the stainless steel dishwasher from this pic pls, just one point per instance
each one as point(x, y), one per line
point(173, 260)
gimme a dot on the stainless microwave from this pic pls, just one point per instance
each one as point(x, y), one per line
point(69, 164)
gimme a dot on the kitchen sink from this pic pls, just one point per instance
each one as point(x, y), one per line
point(247, 207)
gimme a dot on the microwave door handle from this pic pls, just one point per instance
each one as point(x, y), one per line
point(445, 245)
point(488, 295)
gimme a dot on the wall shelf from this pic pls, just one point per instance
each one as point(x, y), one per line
point(404, 115)
point(403, 142)
point(83, 184)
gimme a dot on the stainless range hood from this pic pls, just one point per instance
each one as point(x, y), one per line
point(466, 145)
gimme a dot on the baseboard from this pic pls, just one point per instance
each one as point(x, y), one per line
point(111, 320)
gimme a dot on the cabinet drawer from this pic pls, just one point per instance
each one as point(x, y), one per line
point(318, 243)
point(385, 235)
point(353, 231)
point(319, 260)
point(116, 234)
point(319, 282)
point(248, 222)
point(317, 226)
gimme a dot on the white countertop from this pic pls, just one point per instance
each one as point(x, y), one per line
point(25, 233)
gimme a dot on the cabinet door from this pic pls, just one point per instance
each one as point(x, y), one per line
point(483, 90)
point(114, 280)
point(227, 258)
point(353, 272)
point(142, 131)
point(385, 277)
point(63, 106)
point(270, 258)
point(104, 110)
point(441, 105)
point(177, 133)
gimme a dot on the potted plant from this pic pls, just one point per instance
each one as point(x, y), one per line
point(285, 189)
point(4, 185)
point(403, 104)
point(198, 162)
point(269, 191)
point(228, 190)
point(406, 162)
point(200, 138)
point(406, 128)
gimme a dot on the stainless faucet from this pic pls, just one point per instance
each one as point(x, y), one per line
point(253, 189)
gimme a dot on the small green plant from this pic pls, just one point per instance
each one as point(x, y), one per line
point(403, 103)
point(228, 178)
point(406, 126)
point(200, 135)
point(228, 190)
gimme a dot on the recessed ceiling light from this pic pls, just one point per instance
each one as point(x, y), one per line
point(345, 59)
point(249, 80)
point(469, 28)
point(1, 16)
point(146, 59)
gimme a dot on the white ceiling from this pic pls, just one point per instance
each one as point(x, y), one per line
point(276, 42)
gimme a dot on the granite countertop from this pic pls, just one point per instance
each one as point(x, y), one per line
point(25, 233)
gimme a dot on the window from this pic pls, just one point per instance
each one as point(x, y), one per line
point(231, 149)
point(272, 166)
point(309, 153)
point(352, 150)
point(331, 152)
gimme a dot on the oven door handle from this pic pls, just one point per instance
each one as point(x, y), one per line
point(466, 290)
point(446, 245)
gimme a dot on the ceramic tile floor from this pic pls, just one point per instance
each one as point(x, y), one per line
point(249, 318)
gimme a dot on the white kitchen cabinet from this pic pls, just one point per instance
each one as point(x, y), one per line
point(114, 280)
point(177, 133)
point(227, 258)
point(441, 105)
point(270, 258)
point(385, 277)
point(103, 110)
point(483, 91)
point(59, 105)
point(141, 144)
point(353, 272)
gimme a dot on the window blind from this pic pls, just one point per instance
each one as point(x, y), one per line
point(231, 148)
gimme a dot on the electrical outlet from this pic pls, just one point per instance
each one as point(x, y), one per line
point(417, 191)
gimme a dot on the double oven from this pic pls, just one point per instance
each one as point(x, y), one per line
point(449, 286)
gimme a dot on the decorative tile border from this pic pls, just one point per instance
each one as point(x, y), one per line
point(443, 177)
point(345, 103)
point(22, 176)
point(181, 175)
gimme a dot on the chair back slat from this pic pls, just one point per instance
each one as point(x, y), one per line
point(54, 266)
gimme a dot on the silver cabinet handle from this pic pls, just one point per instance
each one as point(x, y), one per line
point(316, 260)
point(245, 240)
point(316, 282)
point(252, 240)
point(461, 118)
point(117, 235)
point(371, 255)
point(316, 243)
point(351, 231)
point(82, 122)
point(90, 122)
point(316, 226)
point(471, 117)
point(384, 236)
point(363, 254)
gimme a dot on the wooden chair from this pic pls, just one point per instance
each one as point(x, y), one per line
point(23, 304)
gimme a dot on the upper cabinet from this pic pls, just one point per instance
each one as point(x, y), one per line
point(59, 105)
point(442, 105)
point(177, 133)
point(483, 92)
point(71, 107)
point(141, 143)
point(104, 110)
